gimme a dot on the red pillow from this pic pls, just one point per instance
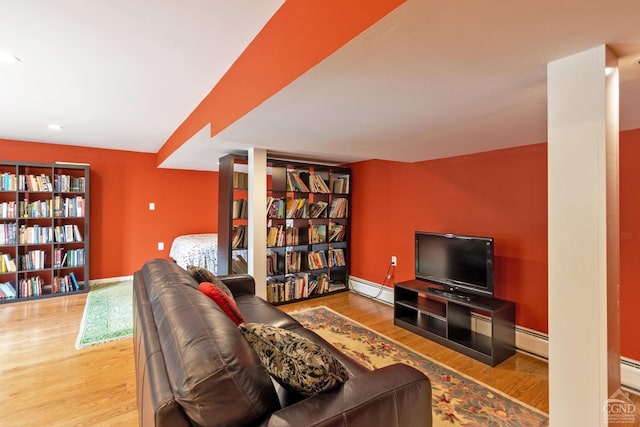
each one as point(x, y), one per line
point(225, 302)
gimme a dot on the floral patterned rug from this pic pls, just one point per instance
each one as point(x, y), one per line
point(108, 314)
point(457, 399)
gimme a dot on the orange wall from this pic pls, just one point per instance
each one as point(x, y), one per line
point(124, 233)
point(629, 243)
point(502, 194)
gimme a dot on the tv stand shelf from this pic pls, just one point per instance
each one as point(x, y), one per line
point(446, 318)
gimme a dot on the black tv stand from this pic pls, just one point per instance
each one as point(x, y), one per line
point(445, 317)
point(449, 293)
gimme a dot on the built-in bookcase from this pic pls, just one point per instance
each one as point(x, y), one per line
point(307, 220)
point(44, 230)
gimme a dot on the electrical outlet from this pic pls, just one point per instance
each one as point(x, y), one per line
point(161, 246)
point(394, 261)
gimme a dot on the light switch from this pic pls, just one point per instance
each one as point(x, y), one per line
point(152, 206)
point(161, 246)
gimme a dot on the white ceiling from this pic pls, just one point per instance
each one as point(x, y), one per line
point(119, 74)
point(432, 79)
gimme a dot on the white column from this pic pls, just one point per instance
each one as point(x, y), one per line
point(257, 227)
point(583, 232)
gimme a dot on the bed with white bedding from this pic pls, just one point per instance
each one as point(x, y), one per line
point(200, 250)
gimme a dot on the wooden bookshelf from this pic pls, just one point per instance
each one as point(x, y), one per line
point(44, 230)
point(307, 220)
point(233, 195)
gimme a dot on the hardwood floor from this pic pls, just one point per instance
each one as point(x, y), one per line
point(47, 382)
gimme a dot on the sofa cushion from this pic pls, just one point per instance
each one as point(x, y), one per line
point(204, 354)
point(295, 362)
point(224, 301)
point(201, 275)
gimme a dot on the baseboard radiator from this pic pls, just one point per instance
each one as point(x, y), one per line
point(528, 341)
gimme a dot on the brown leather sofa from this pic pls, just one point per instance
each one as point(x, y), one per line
point(195, 368)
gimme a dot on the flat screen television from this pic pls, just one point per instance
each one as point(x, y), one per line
point(462, 264)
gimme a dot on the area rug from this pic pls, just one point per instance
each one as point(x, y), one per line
point(108, 314)
point(458, 400)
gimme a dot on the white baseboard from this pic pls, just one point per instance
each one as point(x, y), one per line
point(527, 340)
point(371, 290)
point(630, 373)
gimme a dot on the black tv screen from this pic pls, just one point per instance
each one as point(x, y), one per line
point(460, 263)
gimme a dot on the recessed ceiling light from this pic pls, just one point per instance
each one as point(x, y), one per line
point(54, 126)
point(7, 58)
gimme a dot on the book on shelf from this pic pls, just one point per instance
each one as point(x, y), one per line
point(336, 257)
point(240, 180)
point(239, 264)
point(68, 207)
point(77, 236)
point(8, 233)
point(69, 184)
point(292, 236)
point(68, 258)
point(336, 232)
point(276, 236)
point(35, 234)
point(35, 209)
point(240, 209)
point(67, 233)
point(272, 263)
point(319, 285)
point(33, 182)
point(293, 261)
point(318, 209)
point(336, 286)
point(74, 281)
point(7, 264)
point(297, 208)
point(316, 260)
point(338, 208)
point(7, 290)
point(30, 287)
point(275, 208)
point(33, 260)
point(63, 284)
point(296, 183)
point(317, 184)
point(239, 237)
point(341, 184)
point(317, 234)
point(294, 287)
point(8, 182)
point(8, 210)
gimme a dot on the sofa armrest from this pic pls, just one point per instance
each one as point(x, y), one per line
point(239, 284)
point(396, 395)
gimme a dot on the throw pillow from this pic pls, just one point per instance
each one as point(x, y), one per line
point(224, 301)
point(294, 361)
point(201, 274)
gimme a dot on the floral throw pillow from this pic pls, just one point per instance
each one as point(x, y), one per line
point(294, 361)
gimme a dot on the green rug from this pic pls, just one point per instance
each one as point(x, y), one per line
point(457, 400)
point(108, 314)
